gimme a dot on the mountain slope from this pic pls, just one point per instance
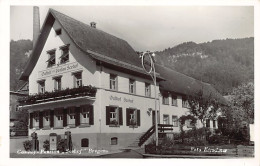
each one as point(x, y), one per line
point(223, 63)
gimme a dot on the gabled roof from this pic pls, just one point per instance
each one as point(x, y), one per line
point(92, 41)
point(182, 84)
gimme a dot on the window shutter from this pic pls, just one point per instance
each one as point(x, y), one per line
point(40, 120)
point(138, 118)
point(31, 120)
point(51, 118)
point(107, 115)
point(120, 116)
point(127, 117)
point(91, 115)
point(77, 115)
point(64, 117)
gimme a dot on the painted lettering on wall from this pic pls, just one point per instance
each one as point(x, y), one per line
point(59, 70)
point(115, 98)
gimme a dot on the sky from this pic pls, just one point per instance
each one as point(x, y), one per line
point(152, 28)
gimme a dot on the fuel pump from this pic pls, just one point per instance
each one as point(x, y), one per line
point(35, 142)
point(68, 139)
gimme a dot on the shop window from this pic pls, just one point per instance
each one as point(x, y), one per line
point(175, 121)
point(166, 119)
point(52, 58)
point(59, 118)
point(77, 79)
point(84, 142)
point(64, 54)
point(114, 141)
point(132, 117)
point(147, 89)
point(46, 118)
point(41, 86)
point(132, 86)
point(57, 83)
point(36, 119)
point(113, 82)
point(86, 115)
point(71, 116)
point(174, 100)
point(114, 116)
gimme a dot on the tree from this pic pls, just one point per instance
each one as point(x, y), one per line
point(203, 107)
point(240, 112)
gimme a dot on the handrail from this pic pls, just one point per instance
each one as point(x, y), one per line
point(148, 133)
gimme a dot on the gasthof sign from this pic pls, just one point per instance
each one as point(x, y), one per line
point(58, 70)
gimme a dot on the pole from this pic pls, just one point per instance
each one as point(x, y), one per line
point(155, 105)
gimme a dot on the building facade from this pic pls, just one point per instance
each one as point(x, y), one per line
point(92, 84)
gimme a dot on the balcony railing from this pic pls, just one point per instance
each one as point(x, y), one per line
point(59, 94)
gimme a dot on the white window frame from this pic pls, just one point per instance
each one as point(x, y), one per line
point(57, 83)
point(58, 121)
point(71, 117)
point(52, 58)
point(132, 86)
point(147, 89)
point(64, 55)
point(46, 118)
point(167, 120)
point(77, 79)
point(175, 121)
point(113, 82)
point(86, 119)
point(174, 100)
point(41, 86)
point(114, 115)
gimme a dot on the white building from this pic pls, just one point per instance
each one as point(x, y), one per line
point(93, 83)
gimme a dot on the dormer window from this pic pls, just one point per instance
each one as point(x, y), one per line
point(51, 61)
point(64, 54)
point(58, 32)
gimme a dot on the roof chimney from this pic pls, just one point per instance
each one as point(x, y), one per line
point(36, 24)
point(93, 24)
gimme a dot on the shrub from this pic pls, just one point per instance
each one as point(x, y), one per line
point(46, 145)
point(27, 145)
point(61, 145)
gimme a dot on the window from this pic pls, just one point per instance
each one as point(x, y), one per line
point(51, 61)
point(166, 119)
point(84, 142)
point(46, 118)
point(207, 122)
point(71, 116)
point(214, 123)
point(41, 86)
point(59, 118)
point(185, 103)
point(147, 89)
point(64, 54)
point(57, 83)
point(58, 32)
point(175, 121)
point(86, 115)
point(113, 82)
point(114, 141)
point(114, 116)
point(77, 79)
point(36, 119)
point(132, 117)
point(174, 100)
point(165, 99)
point(132, 86)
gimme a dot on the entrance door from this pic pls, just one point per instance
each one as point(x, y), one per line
point(153, 117)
